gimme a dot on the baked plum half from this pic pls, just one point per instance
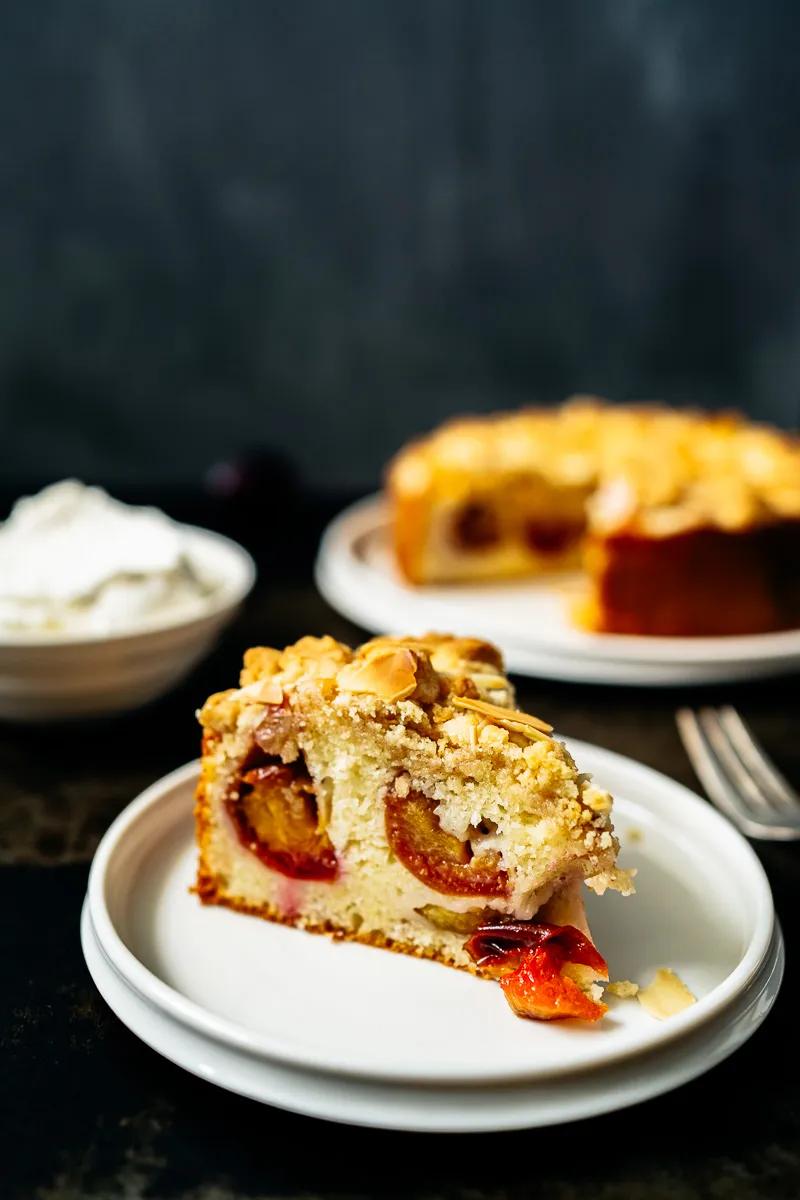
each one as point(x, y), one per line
point(439, 860)
point(276, 817)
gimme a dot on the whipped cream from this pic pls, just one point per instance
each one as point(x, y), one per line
point(74, 560)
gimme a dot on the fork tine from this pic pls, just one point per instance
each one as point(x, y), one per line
point(751, 796)
point(708, 771)
point(785, 798)
point(718, 786)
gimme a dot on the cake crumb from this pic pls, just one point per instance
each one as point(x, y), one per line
point(598, 799)
point(625, 989)
point(666, 996)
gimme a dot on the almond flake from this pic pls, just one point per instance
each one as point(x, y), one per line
point(263, 691)
point(666, 995)
point(270, 692)
point(391, 674)
point(528, 731)
point(508, 718)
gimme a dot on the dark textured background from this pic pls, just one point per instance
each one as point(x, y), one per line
point(322, 225)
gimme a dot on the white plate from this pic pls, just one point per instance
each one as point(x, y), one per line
point(529, 620)
point(438, 1110)
point(703, 907)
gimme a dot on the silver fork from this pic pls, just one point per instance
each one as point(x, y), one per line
point(739, 778)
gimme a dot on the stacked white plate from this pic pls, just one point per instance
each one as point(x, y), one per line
point(356, 573)
point(359, 1035)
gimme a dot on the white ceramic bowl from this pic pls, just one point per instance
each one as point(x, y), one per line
point(44, 677)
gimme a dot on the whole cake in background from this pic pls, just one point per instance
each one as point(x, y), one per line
point(393, 795)
point(685, 523)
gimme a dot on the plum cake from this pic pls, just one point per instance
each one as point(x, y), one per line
point(394, 795)
point(685, 523)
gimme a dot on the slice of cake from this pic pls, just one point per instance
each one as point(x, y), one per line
point(686, 523)
point(394, 796)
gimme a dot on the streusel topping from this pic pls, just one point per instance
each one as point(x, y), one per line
point(642, 467)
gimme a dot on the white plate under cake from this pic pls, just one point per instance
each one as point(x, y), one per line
point(340, 1030)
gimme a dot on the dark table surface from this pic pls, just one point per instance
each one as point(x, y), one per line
point(89, 1111)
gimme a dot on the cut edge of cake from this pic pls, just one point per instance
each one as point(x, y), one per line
point(393, 796)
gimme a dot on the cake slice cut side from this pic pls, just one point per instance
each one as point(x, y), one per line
point(394, 796)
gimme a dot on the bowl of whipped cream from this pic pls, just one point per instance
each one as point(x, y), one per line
point(105, 606)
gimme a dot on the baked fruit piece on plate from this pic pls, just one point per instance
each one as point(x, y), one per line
point(685, 523)
point(393, 795)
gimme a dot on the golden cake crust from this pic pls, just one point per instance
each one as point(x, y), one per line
point(671, 469)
